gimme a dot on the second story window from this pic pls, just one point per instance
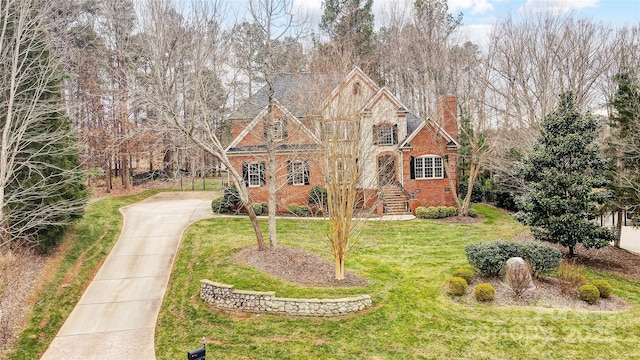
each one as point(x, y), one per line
point(279, 129)
point(385, 134)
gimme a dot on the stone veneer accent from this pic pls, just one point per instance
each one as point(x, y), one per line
point(225, 297)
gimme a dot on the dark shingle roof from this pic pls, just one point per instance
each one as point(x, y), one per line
point(298, 93)
point(263, 148)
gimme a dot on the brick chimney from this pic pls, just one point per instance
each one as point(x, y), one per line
point(447, 115)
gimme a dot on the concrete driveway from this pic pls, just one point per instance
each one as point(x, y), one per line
point(116, 316)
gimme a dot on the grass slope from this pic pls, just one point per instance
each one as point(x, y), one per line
point(407, 264)
point(84, 249)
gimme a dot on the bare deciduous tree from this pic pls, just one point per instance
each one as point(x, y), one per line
point(40, 186)
point(184, 70)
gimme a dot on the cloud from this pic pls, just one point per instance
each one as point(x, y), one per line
point(475, 6)
point(557, 6)
point(477, 34)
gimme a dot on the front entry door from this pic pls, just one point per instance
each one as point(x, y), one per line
point(386, 170)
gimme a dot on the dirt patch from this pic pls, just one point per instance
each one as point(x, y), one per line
point(15, 301)
point(297, 266)
point(546, 294)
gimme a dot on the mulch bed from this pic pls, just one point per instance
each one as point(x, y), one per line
point(546, 294)
point(297, 266)
point(610, 260)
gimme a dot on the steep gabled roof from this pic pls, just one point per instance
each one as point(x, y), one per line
point(451, 142)
point(301, 94)
point(260, 116)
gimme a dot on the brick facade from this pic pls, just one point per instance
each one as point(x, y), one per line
point(413, 138)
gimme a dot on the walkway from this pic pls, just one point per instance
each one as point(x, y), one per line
point(116, 316)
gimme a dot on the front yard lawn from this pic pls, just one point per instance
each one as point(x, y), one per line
point(407, 264)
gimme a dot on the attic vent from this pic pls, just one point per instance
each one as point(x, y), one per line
point(356, 88)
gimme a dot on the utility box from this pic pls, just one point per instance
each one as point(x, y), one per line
point(197, 354)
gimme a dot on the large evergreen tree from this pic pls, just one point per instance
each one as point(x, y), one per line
point(623, 149)
point(563, 170)
point(350, 26)
point(41, 183)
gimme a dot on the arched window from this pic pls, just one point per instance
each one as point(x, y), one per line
point(427, 167)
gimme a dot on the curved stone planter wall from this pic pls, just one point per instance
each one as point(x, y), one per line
point(225, 297)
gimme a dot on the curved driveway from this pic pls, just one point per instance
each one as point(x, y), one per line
point(116, 316)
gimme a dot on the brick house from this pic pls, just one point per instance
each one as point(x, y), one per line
point(406, 156)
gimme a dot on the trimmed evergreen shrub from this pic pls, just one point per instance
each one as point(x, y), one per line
point(260, 208)
point(542, 257)
point(299, 210)
point(472, 213)
point(457, 286)
point(603, 287)
point(589, 293)
point(464, 273)
point(435, 212)
point(219, 205)
point(490, 257)
point(484, 292)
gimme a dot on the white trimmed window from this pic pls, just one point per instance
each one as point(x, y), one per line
point(299, 173)
point(254, 174)
point(428, 167)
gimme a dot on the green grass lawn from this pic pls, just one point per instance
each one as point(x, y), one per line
point(84, 249)
point(407, 264)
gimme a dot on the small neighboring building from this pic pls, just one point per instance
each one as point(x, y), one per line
point(402, 165)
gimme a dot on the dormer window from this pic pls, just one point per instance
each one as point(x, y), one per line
point(385, 134)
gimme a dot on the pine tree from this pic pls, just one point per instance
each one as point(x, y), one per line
point(40, 176)
point(563, 170)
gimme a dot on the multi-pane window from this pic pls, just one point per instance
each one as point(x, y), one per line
point(340, 130)
point(385, 134)
point(278, 129)
point(254, 174)
point(298, 173)
point(428, 167)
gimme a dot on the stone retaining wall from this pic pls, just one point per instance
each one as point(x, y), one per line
point(225, 297)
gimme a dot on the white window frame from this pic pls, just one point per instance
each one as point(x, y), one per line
point(298, 172)
point(253, 174)
point(385, 134)
point(428, 167)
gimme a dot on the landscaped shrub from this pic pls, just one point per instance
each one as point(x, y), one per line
point(588, 293)
point(317, 197)
point(603, 287)
point(219, 205)
point(542, 257)
point(260, 208)
point(457, 286)
point(490, 257)
point(571, 277)
point(466, 274)
point(435, 212)
point(299, 210)
point(472, 213)
point(484, 292)
point(477, 193)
